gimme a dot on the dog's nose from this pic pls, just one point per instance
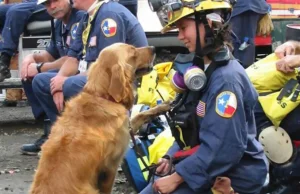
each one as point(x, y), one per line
point(152, 49)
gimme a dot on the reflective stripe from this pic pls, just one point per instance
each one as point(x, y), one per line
point(142, 166)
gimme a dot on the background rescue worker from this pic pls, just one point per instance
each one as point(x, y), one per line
point(249, 18)
point(52, 58)
point(104, 24)
point(13, 20)
point(223, 109)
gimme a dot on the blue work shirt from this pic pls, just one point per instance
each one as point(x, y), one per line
point(113, 23)
point(227, 135)
point(64, 35)
point(257, 6)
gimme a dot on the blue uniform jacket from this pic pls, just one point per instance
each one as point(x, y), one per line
point(258, 6)
point(64, 35)
point(113, 23)
point(228, 146)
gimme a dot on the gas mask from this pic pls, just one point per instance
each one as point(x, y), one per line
point(192, 77)
point(188, 75)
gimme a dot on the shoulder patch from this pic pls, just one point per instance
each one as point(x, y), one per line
point(74, 30)
point(200, 110)
point(109, 27)
point(226, 104)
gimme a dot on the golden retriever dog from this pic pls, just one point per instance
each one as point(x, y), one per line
point(88, 141)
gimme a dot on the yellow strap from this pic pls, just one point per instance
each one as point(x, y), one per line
point(182, 139)
point(142, 166)
point(86, 32)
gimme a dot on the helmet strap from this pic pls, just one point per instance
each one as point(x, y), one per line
point(211, 42)
point(198, 58)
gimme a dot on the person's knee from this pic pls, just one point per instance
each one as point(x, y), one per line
point(73, 86)
point(40, 82)
point(70, 88)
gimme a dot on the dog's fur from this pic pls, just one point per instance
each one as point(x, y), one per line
point(89, 139)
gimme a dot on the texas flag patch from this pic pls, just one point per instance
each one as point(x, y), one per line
point(226, 104)
point(109, 27)
point(74, 30)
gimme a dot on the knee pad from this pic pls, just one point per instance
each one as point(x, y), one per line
point(277, 144)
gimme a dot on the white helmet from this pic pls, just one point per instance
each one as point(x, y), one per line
point(41, 1)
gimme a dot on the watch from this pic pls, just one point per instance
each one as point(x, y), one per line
point(39, 66)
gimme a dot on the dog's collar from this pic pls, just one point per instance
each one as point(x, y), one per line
point(109, 98)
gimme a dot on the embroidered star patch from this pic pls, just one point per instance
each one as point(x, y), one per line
point(109, 27)
point(73, 30)
point(200, 110)
point(226, 104)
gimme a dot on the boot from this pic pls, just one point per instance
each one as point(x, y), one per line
point(222, 185)
point(4, 66)
point(34, 148)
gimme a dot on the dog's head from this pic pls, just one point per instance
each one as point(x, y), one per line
point(111, 76)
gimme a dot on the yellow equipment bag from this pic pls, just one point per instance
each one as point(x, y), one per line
point(160, 146)
point(276, 109)
point(265, 77)
point(157, 83)
point(278, 93)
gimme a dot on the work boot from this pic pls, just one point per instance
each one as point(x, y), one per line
point(4, 66)
point(34, 148)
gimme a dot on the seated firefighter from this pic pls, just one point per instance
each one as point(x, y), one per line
point(50, 60)
point(13, 20)
point(106, 22)
point(212, 120)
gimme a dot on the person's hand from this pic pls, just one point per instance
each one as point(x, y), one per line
point(285, 49)
point(57, 83)
point(58, 99)
point(167, 184)
point(163, 166)
point(26, 62)
point(32, 70)
point(288, 63)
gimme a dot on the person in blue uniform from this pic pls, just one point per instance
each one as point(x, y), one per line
point(104, 24)
point(13, 20)
point(52, 58)
point(215, 122)
point(244, 21)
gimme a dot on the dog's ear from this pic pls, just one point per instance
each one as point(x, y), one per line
point(117, 83)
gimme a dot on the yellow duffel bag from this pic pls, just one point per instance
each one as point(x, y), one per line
point(277, 91)
point(265, 77)
point(156, 85)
